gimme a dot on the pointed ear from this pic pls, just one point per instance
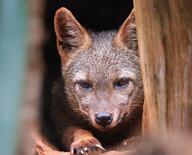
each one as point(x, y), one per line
point(127, 35)
point(71, 36)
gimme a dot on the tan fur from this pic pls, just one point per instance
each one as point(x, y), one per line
point(120, 39)
point(63, 16)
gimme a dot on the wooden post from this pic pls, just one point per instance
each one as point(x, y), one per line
point(165, 42)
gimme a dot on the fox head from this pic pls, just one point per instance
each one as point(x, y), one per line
point(101, 70)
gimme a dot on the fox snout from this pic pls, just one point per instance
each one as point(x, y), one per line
point(103, 118)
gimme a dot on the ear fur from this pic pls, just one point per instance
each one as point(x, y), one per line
point(71, 36)
point(127, 35)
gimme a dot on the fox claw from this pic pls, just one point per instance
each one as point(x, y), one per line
point(100, 147)
point(86, 147)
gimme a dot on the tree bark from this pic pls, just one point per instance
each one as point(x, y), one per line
point(164, 30)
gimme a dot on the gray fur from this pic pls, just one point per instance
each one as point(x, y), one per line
point(102, 63)
point(107, 57)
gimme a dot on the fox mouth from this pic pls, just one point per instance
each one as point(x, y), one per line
point(102, 128)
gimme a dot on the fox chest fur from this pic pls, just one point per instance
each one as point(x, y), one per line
point(98, 101)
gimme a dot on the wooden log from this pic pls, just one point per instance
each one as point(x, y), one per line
point(164, 30)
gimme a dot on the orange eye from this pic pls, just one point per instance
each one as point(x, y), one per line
point(85, 85)
point(121, 83)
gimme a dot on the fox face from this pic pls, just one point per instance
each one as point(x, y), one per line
point(101, 70)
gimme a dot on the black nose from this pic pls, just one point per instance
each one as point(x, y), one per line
point(103, 118)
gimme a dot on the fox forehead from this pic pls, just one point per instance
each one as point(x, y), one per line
point(102, 59)
point(102, 42)
point(123, 73)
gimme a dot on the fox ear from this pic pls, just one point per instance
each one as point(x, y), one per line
point(71, 36)
point(127, 35)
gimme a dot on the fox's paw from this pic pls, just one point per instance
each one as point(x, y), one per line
point(86, 146)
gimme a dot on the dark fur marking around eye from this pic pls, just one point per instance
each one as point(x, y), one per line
point(121, 83)
point(85, 85)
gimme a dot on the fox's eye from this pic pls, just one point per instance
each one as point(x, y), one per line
point(84, 84)
point(121, 83)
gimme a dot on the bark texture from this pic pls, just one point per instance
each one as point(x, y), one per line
point(165, 42)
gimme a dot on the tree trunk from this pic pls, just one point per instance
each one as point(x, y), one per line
point(165, 42)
